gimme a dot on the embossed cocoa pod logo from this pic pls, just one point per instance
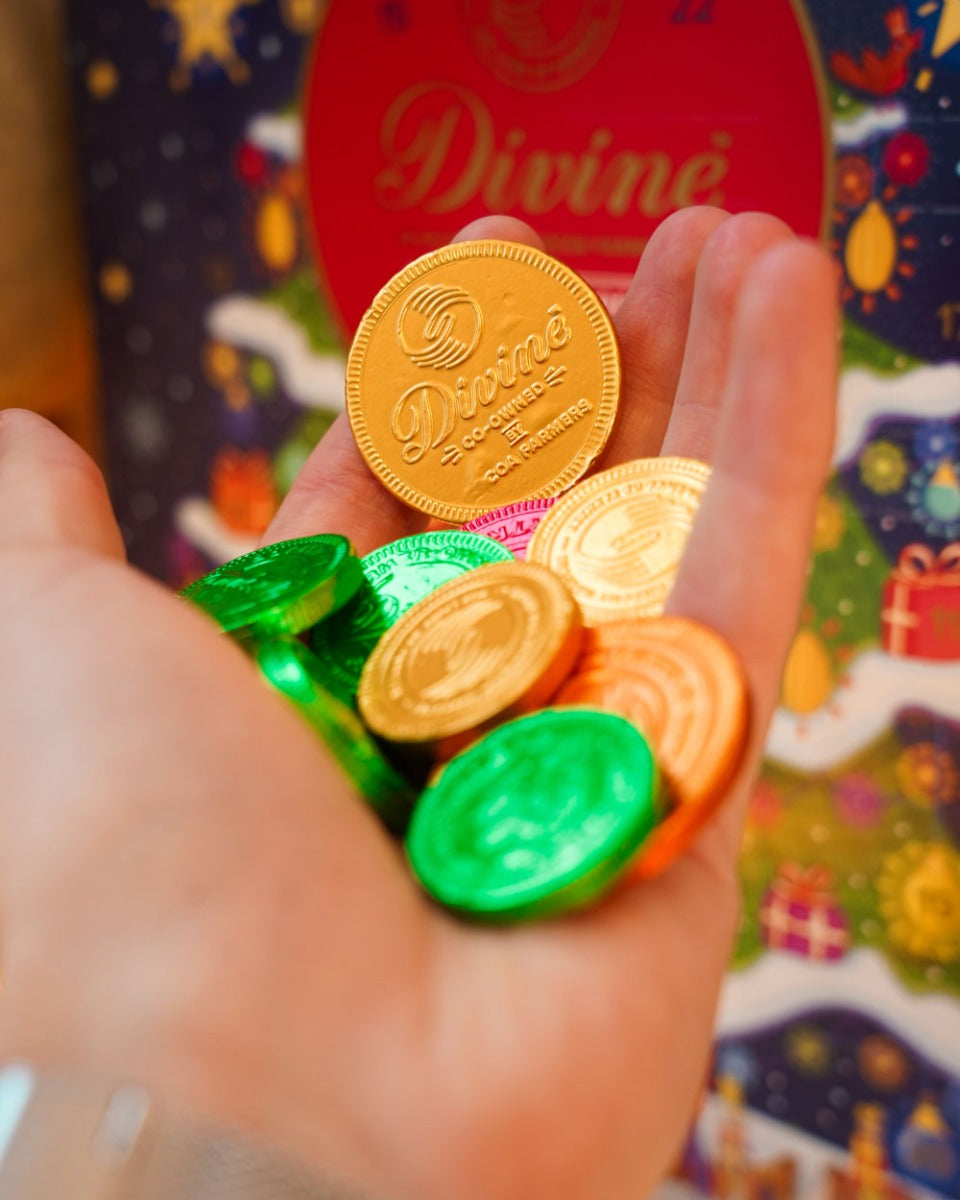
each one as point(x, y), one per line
point(439, 326)
point(540, 45)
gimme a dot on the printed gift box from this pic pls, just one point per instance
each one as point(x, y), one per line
point(801, 913)
point(921, 603)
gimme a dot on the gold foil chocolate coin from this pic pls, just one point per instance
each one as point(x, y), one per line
point(492, 644)
point(484, 373)
point(616, 539)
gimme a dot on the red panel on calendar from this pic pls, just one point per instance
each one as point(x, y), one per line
point(590, 119)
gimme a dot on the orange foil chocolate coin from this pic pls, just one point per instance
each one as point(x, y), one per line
point(494, 643)
point(616, 538)
point(483, 373)
point(683, 687)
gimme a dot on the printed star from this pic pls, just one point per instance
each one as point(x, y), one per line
point(204, 32)
point(948, 30)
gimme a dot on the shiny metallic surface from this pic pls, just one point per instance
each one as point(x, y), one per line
point(683, 687)
point(282, 588)
point(483, 373)
point(616, 539)
point(539, 817)
point(497, 642)
point(395, 578)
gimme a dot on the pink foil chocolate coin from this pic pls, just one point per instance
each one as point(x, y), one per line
point(513, 524)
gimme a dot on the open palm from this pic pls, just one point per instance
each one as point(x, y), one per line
point(192, 895)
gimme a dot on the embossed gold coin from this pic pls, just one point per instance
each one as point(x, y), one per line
point(484, 373)
point(494, 643)
point(616, 538)
point(683, 687)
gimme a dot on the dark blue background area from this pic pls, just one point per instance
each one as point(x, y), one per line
point(822, 1102)
point(912, 323)
point(890, 518)
point(148, 147)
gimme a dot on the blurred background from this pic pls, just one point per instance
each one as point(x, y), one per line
point(46, 346)
point(200, 197)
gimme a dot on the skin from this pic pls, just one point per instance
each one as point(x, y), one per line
point(192, 896)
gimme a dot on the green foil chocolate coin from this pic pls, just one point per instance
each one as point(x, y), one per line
point(539, 817)
point(395, 578)
point(293, 669)
point(283, 588)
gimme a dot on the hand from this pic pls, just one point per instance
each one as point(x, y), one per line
point(192, 896)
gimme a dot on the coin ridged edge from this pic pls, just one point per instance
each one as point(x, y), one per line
point(516, 508)
point(447, 535)
point(299, 612)
point(667, 640)
point(600, 322)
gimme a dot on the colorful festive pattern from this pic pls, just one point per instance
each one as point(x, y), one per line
point(800, 913)
point(919, 890)
point(841, 616)
point(921, 603)
point(223, 368)
point(205, 35)
point(928, 775)
point(895, 70)
point(883, 468)
point(827, 864)
point(849, 1080)
point(905, 480)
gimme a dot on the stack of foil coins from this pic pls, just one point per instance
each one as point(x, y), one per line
point(504, 691)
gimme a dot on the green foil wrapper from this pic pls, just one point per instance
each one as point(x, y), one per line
point(539, 817)
point(292, 669)
point(279, 589)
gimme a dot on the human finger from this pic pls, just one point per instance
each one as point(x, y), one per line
point(336, 491)
point(654, 952)
point(744, 569)
point(727, 256)
point(504, 229)
point(652, 327)
point(50, 490)
point(743, 574)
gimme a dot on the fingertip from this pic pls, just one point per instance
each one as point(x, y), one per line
point(786, 322)
point(502, 228)
point(730, 249)
point(797, 275)
point(687, 226)
point(17, 425)
point(745, 567)
point(669, 263)
point(652, 324)
point(51, 490)
point(735, 244)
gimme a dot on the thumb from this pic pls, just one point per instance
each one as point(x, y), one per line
point(51, 491)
